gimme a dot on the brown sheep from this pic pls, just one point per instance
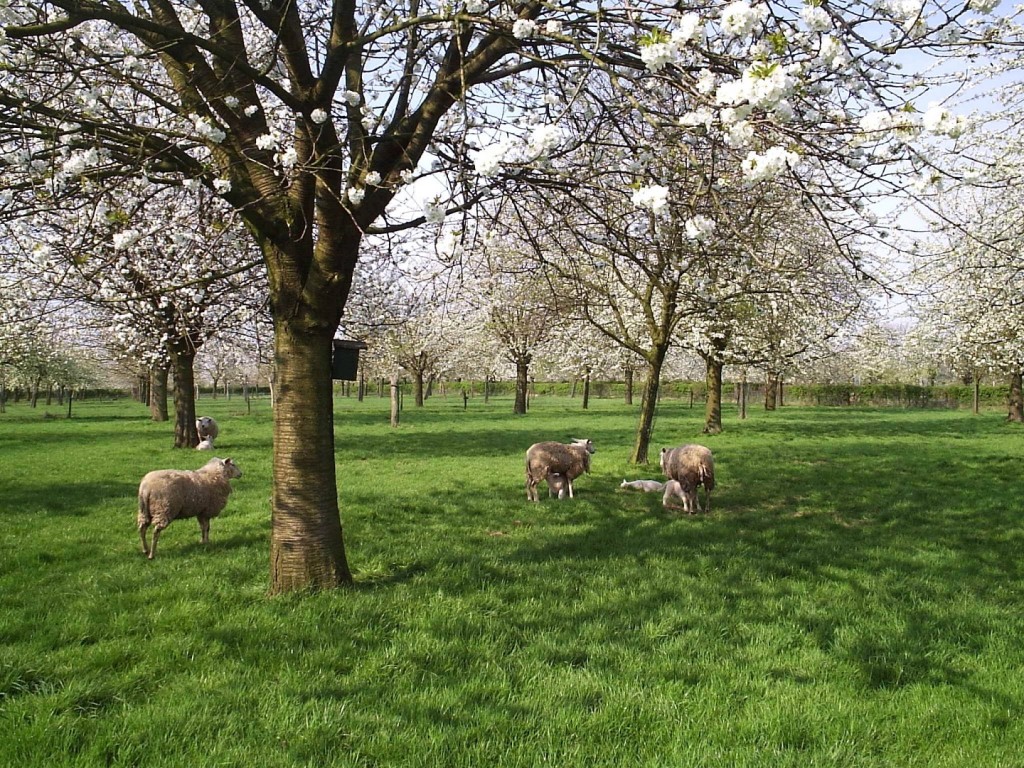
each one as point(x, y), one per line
point(690, 466)
point(568, 459)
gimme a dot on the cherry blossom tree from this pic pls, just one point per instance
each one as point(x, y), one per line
point(309, 121)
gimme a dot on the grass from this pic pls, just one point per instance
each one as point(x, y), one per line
point(854, 599)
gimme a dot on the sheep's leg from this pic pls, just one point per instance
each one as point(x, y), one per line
point(568, 483)
point(156, 535)
point(204, 530)
point(143, 527)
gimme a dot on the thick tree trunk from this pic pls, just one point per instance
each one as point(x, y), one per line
point(713, 402)
point(1016, 413)
point(648, 408)
point(418, 379)
point(185, 435)
point(158, 394)
point(628, 370)
point(306, 545)
point(771, 391)
point(522, 382)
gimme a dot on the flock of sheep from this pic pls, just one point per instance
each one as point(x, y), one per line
point(687, 468)
point(168, 494)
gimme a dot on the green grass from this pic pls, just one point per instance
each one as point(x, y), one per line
point(854, 599)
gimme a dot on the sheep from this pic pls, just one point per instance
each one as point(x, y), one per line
point(207, 428)
point(205, 445)
point(689, 465)
point(646, 486)
point(167, 494)
point(544, 459)
point(557, 485)
point(673, 490)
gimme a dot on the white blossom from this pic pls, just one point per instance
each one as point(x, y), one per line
point(221, 186)
point(740, 18)
point(205, 128)
point(767, 165)
point(266, 141)
point(488, 160)
point(816, 18)
point(356, 195)
point(126, 239)
point(687, 29)
point(983, 6)
point(318, 116)
point(699, 228)
point(251, 110)
point(475, 6)
point(553, 27)
point(524, 28)
point(544, 139)
point(373, 178)
point(656, 56)
point(653, 198)
point(351, 98)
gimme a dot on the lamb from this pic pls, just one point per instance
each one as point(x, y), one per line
point(207, 429)
point(205, 445)
point(547, 458)
point(690, 466)
point(647, 486)
point(557, 485)
point(673, 490)
point(167, 494)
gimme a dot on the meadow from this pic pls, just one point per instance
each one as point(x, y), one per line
point(855, 597)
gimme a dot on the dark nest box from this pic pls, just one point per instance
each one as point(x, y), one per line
point(345, 361)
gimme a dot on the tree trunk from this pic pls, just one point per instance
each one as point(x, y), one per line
point(771, 390)
point(418, 379)
point(522, 382)
point(781, 379)
point(976, 404)
point(306, 546)
point(158, 394)
point(713, 402)
point(1016, 413)
point(35, 392)
point(215, 381)
point(586, 390)
point(185, 435)
point(628, 370)
point(648, 407)
point(743, 396)
point(394, 400)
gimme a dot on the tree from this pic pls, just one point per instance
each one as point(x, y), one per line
point(308, 120)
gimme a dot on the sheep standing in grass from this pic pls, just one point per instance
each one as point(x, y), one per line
point(167, 494)
point(690, 466)
point(558, 486)
point(207, 429)
point(647, 486)
point(548, 458)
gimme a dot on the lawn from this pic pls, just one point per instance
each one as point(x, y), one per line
point(855, 598)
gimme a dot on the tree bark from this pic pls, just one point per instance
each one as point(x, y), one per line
point(522, 382)
point(1016, 413)
point(628, 370)
point(976, 404)
point(648, 406)
point(713, 402)
point(586, 389)
point(418, 379)
point(394, 400)
point(306, 545)
point(771, 391)
point(158, 394)
point(185, 435)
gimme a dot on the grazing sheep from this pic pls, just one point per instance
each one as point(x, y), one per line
point(646, 486)
point(205, 445)
point(691, 466)
point(544, 459)
point(557, 485)
point(207, 429)
point(167, 494)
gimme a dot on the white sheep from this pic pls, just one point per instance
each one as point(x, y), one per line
point(690, 466)
point(673, 490)
point(167, 494)
point(557, 485)
point(568, 459)
point(207, 429)
point(647, 486)
point(205, 445)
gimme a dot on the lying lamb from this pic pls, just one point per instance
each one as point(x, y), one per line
point(689, 466)
point(167, 494)
point(207, 429)
point(548, 458)
point(205, 445)
point(647, 486)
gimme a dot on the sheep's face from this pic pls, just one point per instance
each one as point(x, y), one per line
point(588, 444)
point(228, 468)
point(664, 455)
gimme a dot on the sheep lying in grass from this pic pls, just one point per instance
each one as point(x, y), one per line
point(167, 494)
point(207, 429)
point(689, 466)
point(647, 486)
point(544, 459)
point(205, 445)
